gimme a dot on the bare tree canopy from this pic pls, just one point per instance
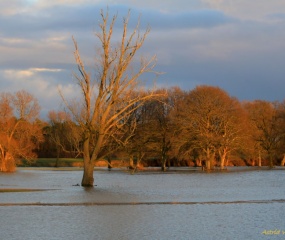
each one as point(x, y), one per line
point(107, 99)
point(210, 123)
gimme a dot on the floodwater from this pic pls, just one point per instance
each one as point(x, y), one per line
point(146, 205)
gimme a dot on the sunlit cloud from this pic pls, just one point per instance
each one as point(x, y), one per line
point(23, 74)
point(45, 70)
point(68, 91)
point(18, 74)
point(11, 7)
point(12, 41)
point(44, 88)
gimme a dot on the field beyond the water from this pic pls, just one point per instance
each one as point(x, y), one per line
point(68, 162)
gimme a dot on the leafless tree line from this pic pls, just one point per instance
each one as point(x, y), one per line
point(204, 125)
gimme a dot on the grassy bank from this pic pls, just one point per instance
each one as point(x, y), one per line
point(53, 162)
point(67, 162)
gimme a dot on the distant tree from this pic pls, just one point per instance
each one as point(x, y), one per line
point(148, 131)
point(177, 101)
point(280, 107)
point(266, 123)
point(63, 134)
point(133, 139)
point(209, 121)
point(107, 100)
point(233, 136)
point(158, 125)
point(19, 130)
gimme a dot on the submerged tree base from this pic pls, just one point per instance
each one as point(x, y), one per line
point(87, 182)
point(8, 166)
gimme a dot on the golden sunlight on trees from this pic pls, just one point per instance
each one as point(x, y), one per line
point(280, 106)
point(19, 131)
point(210, 125)
point(107, 100)
point(268, 123)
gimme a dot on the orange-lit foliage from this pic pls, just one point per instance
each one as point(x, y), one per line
point(211, 124)
point(19, 133)
point(267, 122)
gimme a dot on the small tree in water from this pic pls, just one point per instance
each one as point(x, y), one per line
point(107, 99)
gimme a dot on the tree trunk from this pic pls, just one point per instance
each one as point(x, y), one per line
point(88, 179)
point(223, 159)
point(227, 162)
point(163, 165)
point(283, 161)
point(198, 162)
point(259, 160)
point(3, 165)
point(131, 162)
point(109, 163)
point(163, 161)
point(208, 164)
point(223, 156)
point(7, 163)
point(270, 161)
point(168, 163)
point(207, 160)
point(57, 157)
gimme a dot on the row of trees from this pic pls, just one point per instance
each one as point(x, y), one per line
point(114, 117)
point(203, 125)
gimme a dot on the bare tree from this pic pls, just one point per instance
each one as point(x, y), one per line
point(19, 131)
point(281, 130)
point(107, 99)
point(233, 134)
point(157, 127)
point(208, 121)
point(63, 134)
point(265, 120)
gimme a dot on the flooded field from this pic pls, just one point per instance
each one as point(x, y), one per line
point(147, 205)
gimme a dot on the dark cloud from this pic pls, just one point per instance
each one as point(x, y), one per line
point(246, 77)
point(277, 16)
point(77, 18)
point(191, 19)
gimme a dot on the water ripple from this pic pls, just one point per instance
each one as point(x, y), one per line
point(143, 203)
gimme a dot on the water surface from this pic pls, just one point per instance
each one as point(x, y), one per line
point(150, 205)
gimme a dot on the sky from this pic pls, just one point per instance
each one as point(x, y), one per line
point(237, 45)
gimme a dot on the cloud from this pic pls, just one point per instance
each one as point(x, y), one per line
point(35, 52)
point(186, 19)
point(38, 82)
point(246, 9)
point(45, 70)
point(81, 18)
point(11, 7)
point(22, 74)
point(237, 45)
point(243, 57)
